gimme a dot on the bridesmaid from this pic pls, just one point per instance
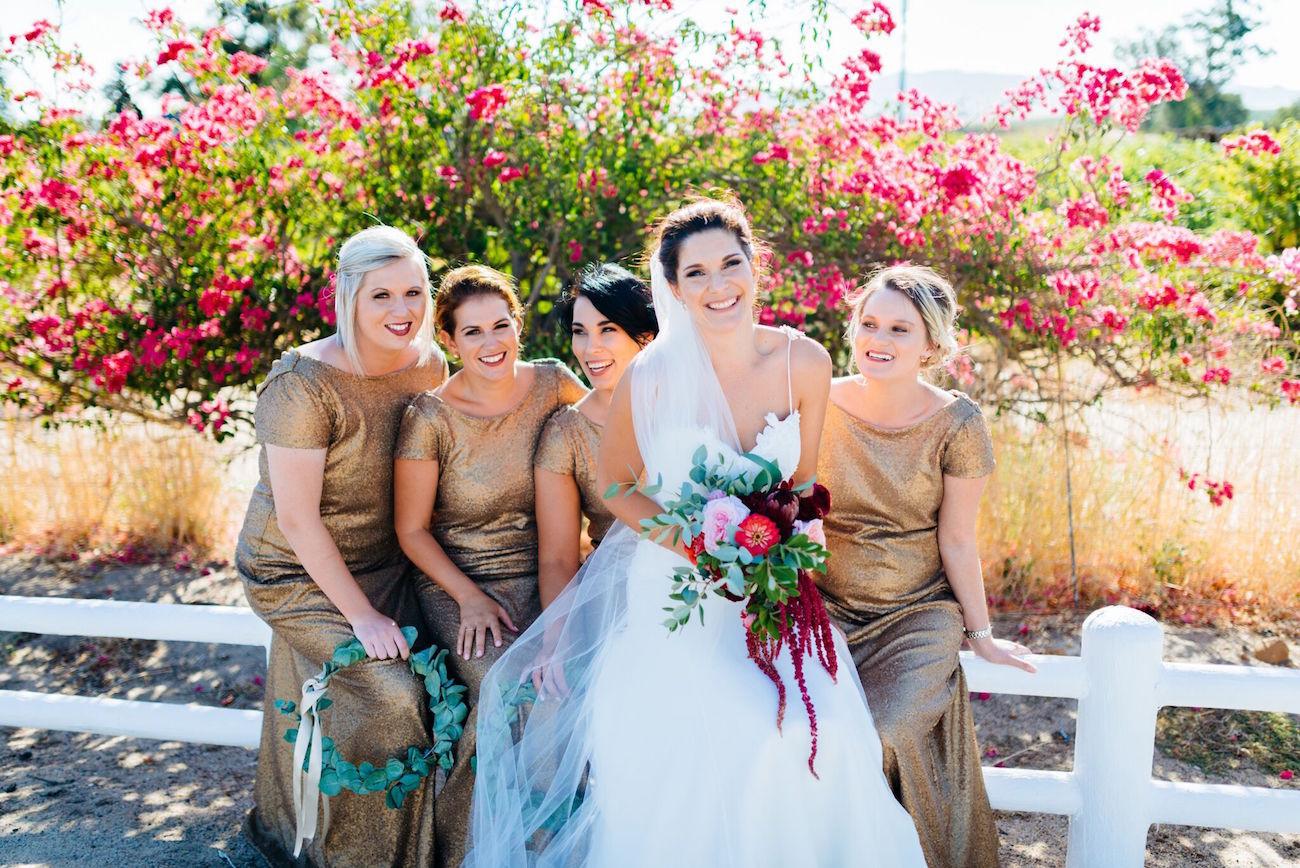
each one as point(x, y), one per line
point(319, 559)
point(465, 505)
point(906, 464)
point(610, 317)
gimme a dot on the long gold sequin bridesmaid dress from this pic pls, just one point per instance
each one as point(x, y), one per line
point(569, 445)
point(483, 517)
point(379, 708)
point(885, 586)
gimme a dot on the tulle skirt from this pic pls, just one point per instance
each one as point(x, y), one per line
point(665, 750)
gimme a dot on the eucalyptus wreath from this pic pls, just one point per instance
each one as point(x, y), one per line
point(398, 777)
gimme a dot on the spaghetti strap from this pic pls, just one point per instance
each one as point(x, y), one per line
point(791, 333)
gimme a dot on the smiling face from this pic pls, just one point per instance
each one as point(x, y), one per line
point(390, 307)
point(715, 280)
point(601, 346)
point(486, 336)
point(890, 340)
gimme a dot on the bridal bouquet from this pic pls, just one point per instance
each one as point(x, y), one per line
point(752, 537)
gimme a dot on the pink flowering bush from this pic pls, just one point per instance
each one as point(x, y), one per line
point(158, 265)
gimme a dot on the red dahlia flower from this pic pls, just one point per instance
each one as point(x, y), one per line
point(757, 534)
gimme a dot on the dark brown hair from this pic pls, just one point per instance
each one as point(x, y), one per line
point(619, 295)
point(701, 216)
point(466, 282)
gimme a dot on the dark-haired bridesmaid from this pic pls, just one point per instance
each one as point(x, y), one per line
point(610, 316)
point(465, 505)
point(906, 464)
point(320, 562)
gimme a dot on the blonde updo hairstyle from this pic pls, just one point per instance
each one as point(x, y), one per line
point(361, 254)
point(932, 296)
point(461, 284)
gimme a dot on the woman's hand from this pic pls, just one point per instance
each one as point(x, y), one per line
point(1002, 652)
point(548, 677)
point(478, 615)
point(380, 636)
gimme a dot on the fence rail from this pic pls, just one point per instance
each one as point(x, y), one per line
point(1119, 680)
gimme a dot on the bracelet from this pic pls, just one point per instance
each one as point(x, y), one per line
point(978, 634)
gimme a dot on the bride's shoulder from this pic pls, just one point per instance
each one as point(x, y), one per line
point(806, 355)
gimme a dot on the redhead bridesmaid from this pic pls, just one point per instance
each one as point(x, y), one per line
point(609, 316)
point(906, 464)
point(320, 561)
point(465, 505)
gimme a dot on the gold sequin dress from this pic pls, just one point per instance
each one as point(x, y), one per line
point(885, 586)
point(483, 517)
point(379, 707)
point(569, 445)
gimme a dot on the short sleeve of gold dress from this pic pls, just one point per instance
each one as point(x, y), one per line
point(569, 445)
point(484, 519)
point(885, 586)
point(378, 709)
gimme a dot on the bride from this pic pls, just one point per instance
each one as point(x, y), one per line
point(645, 748)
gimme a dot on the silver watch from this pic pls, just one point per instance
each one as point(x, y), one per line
point(978, 634)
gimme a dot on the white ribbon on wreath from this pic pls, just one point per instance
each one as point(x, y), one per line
point(310, 736)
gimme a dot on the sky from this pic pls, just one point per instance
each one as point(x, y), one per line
point(1014, 37)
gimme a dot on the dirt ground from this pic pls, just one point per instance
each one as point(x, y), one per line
point(75, 799)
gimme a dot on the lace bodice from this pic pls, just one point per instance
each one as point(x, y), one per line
point(778, 442)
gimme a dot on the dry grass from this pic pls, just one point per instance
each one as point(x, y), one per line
point(121, 486)
point(1141, 537)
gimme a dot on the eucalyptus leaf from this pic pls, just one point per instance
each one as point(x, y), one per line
point(330, 784)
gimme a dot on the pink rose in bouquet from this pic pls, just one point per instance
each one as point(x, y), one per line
point(812, 529)
point(719, 514)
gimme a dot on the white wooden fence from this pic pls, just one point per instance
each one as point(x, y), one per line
point(1119, 681)
point(202, 724)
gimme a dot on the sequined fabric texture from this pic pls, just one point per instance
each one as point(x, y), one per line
point(484, 515)
point(569, 446)
point(379, 708)
point(885, 586)
point(307, 404)
point(484, 518)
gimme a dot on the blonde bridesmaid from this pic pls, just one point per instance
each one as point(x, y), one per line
point(320, 561)
point(465, 505)
point(906, 464)
point(609, 316)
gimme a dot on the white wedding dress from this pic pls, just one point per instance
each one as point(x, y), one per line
point(664, 751)
point(688, 766)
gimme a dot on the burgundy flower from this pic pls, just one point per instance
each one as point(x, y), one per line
point(815, 503)
point(780, 506)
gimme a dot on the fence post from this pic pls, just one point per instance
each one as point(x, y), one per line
point(1115, 738)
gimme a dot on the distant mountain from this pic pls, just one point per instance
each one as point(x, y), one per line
point(975, 93)
point(1267, 98)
